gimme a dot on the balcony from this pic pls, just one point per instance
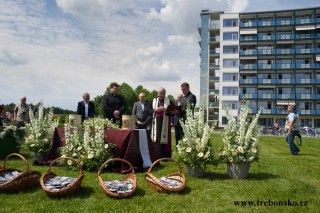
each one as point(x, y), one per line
point(285, 37)
point(305, 36)
point(248, 96)
point(215, 39)
point(266, 37)
point(266, 52)
point(285, 81)
point(304, 51)
point(284, 22)
point(266, 81)
point(305, 20)
point(248, 66)
point(248, 52)
point(264, 23)
point(248, 38)
point(305, 66)
point(214, 65)
point(214, 78)
point(309, 112)
point(248, 23)
point(284, 51)
point(286, 96)
point(214, 52)
point(213, 91)
point(214, 104)
point(248, 81)
point(266, 66)
point(266, 96)
point(285, 66)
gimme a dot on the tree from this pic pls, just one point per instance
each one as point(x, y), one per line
point(98, 111)
point(130, 97)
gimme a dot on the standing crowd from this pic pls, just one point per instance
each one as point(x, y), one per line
point(158, 116)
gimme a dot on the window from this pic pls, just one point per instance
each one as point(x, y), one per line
point(231, 104)
point(230, 36)
point(230, 63)
point(230, 91)
point(230, 49)
point(230, 22)
point(230, 77)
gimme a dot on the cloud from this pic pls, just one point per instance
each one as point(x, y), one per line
point(12, 58)
point(56, 50)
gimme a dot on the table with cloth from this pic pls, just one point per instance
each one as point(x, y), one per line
point(133, 145)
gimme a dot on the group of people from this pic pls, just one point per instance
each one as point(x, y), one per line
point(154, 116)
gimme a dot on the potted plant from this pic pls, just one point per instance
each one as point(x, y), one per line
point(40, 132)
point(194, 149)
point(87, 144)
point(240, 139)
point(11, 138)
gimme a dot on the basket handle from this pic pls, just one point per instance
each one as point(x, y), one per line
point(115, 159)
point(67, 158)
point(15, 155)
point(164, 159)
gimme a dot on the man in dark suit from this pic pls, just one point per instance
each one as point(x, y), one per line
point(187, 100)
point(142, 112)
point(85, 108)
point(113, 105)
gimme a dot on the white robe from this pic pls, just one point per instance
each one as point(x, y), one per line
point(165, 126)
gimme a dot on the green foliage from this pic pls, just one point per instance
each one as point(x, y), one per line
point(129, 96)
point(98, 106)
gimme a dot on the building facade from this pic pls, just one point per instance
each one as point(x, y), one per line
point(270, 58)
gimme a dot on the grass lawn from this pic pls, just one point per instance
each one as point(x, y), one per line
point(279, 177)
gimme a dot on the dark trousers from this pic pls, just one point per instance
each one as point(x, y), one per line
point(178, 132)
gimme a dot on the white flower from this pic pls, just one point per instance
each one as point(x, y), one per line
point(106, 146)
point(74, 154)
point(200, 154)
point(253, 150)
point(90, 156)
point(188, 149)
point(240, 149)
point(79, 148)
point(230, 159)
point(69, 162)
point(32, 145)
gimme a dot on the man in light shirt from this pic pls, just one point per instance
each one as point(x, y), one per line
point(86, 107)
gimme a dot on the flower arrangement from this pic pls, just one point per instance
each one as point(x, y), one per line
point(12, 131)
point(194, 149)
point(87, 145)
point(40, 130)
point(240, 138)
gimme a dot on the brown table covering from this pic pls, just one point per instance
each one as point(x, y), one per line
point(127, 141)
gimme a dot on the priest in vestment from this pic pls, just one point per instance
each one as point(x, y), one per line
point(161, 124)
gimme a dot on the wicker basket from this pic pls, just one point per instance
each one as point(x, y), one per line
point(66, 191)
point(24, 180)
point(154, 183)
point(129, 177)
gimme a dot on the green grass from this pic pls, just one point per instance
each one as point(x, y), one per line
point(278, 177)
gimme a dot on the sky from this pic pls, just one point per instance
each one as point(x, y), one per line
point(55, 50)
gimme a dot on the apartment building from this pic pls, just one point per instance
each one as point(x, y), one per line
point(270, 58)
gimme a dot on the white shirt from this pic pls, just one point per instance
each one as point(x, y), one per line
point(86, 109)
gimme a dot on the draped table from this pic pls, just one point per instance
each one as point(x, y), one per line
point(133, 145)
